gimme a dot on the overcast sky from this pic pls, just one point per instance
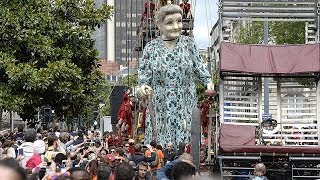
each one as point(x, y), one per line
point(202, 14)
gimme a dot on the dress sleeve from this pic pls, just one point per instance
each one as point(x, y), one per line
point(199, 68)
point(145, 69)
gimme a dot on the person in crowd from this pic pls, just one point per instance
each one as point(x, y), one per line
point(148, 153)
point(103, 152)
point(169, 153)
point(10, 170)
point(185, 5)
point(164, 172)
point(183, 170)
point(142, 172)
point(120, 154)
point(111, 161)
point(164, 74)
point(181, 149)
point(123, 171)
point(30, 136)
point(59, 160)
point(19, 135)
point(160, 156)
point(8, 149)
point(37, 158)
point(140, 156)
point(80, 138)
point(126, 148)
point(259, 171)
point(104, 172)
point(78, 173)
point(92, 168)
point(54, 147)
point(132, 146)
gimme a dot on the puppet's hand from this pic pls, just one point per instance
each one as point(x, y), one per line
point(146, 90)
point(210, 86)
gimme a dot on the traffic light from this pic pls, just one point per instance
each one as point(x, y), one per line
point(47, 114)
point(95, 115)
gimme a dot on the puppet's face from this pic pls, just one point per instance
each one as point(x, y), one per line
point(171, 26)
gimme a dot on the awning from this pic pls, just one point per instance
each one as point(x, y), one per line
point(269, 59)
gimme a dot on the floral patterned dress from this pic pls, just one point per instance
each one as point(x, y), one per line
point(171, 73)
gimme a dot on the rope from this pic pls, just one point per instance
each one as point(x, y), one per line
point(208, 28)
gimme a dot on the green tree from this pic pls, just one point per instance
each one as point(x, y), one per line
point(279, 32)
point(130, 80)
point(47, 55)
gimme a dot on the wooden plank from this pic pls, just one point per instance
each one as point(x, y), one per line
point(290, 135)
point(241, 102)
point(302, 108)
point(300, 130)
point(195, 137)
point(246, 124)
point(241, 113)
point(240, 97)
point(300, 124)
point(240, 85)
point(242, 118)
point(295, 121)
point(240, 107)
point(298, 98)
point(298, 114)
point(312, 102)
point(243, 92)
point(239, 80)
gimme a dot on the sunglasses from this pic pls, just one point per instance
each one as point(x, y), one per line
point(113, 151)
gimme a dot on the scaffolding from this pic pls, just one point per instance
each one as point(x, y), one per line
point(241, 95)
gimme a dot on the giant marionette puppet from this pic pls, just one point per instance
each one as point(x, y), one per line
point(167, 71)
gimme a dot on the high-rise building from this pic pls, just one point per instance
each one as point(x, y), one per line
point(116, 40)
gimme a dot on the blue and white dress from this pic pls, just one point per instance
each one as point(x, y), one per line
point(171, 74)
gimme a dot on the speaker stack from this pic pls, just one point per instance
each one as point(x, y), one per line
point(116, 99)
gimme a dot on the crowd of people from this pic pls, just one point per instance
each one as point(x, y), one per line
point(88, 155)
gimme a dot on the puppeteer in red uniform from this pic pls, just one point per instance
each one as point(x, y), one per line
point(186, 9)
point(125, 116)
point(149, 9)
point(205, 106)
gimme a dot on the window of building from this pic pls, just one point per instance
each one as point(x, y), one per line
point(117, 24)
point(123, 50)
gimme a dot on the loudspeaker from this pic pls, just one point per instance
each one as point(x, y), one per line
point(116, 99)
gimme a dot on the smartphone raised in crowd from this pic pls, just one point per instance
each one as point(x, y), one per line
point(20, 151)
point(64, 163)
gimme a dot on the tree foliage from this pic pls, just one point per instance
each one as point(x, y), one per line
point(47, 55)
point(130, 80)
point(279, 32)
